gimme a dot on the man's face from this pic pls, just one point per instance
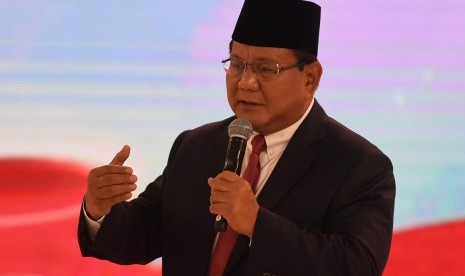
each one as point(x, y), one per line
point(271, 105)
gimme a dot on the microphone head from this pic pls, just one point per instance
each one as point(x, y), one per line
point(240, 128)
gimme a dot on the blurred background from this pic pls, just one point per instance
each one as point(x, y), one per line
point(79, 79)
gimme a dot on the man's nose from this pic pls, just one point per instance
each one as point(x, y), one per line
point(249, 79)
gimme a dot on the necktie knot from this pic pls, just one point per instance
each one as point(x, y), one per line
point(258, 144)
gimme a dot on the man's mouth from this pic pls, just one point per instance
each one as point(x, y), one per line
point(248, 103)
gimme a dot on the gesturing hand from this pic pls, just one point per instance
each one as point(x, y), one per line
point(108, 185)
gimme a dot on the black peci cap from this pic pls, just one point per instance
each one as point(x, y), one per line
point(292, 24)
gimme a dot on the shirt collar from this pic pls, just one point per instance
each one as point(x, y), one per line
point(277, 142)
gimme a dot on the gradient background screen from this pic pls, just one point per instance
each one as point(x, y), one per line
point(79, 79)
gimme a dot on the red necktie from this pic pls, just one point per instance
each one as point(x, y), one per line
point(227, 239)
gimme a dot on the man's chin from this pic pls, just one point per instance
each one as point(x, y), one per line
point(257, 124)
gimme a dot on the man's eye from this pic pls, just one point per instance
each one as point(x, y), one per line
point(265, 69)
point(237, 65)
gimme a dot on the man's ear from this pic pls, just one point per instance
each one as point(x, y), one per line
point(313, 72)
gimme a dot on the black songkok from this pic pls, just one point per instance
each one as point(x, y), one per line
point(291, 24)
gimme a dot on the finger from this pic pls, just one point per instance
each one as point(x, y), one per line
point(227, 176)
point(219, 197)
point(117, 199)
point(114, 179)
point(218, 185)
point(116, 190)
point(219, 209)
point(121, 156)
point(110, 169)
point(211, 181)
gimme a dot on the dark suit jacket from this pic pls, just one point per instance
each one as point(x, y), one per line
point(327, 208)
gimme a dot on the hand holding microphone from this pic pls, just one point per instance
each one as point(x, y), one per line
point(239, 132)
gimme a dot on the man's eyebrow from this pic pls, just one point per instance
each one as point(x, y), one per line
point(259, 59)
point(267, 59)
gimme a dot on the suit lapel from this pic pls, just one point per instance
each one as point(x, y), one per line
point(288, 171)
point(296, 159)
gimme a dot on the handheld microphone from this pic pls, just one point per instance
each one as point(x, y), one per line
point(239, 132)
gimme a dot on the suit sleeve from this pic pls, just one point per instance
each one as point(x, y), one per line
point(131, 232)
point(355, 236)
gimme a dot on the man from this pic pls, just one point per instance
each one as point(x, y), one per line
point(323, 204)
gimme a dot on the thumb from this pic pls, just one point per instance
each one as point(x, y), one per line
point(121, 156)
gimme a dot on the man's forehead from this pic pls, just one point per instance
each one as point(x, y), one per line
point(240, 49)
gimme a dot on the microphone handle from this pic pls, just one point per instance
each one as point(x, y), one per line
point(233, 163)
